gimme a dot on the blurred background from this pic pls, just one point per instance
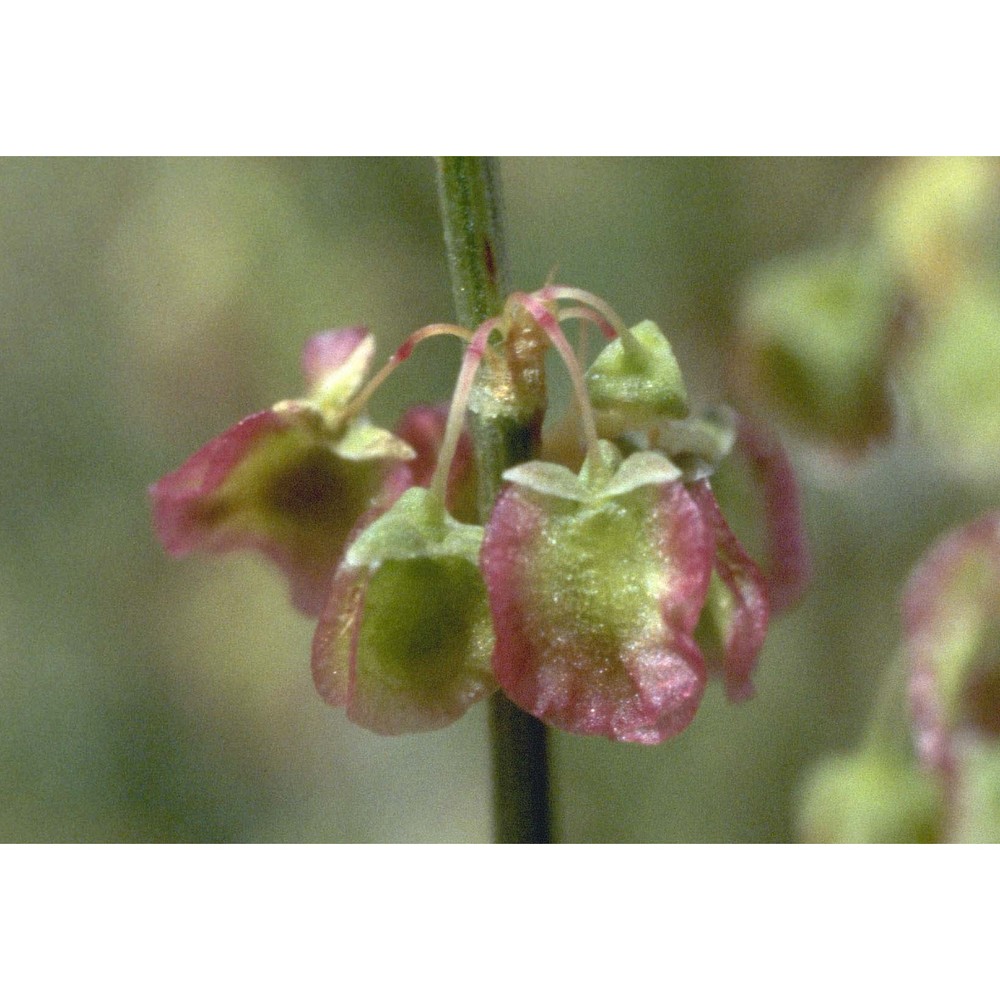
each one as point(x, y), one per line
point(147, 304)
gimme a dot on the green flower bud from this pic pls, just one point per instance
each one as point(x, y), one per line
point(815, 343)
point(636, 379)
point(870, 798)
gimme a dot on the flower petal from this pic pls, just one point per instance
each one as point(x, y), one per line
point(788, 565)
point(335, 363)
point(270, 483)
point(405, 639)
point(335, 641)
point(736, 611)
point(423, 646)
point(951, 611)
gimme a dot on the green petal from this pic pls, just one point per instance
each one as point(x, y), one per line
point(423, 653)
point(416, 526)
point(643, 468)
point(638, 377)
point(362, 441)
point(548, 479)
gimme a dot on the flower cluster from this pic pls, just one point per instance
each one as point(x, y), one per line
point(928, 767)
point(600, 590)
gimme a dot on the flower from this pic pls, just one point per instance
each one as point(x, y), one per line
point(818, 332)
point(951, 611)
point(404, 641)
point(596, 583)
point(289, 481)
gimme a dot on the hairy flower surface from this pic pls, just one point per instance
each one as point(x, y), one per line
point(290, 481)
point(596, 583)
point(599, 600)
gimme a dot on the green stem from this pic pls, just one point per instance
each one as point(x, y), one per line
point(502, 436)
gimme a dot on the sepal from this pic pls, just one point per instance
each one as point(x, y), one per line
point(336, 363)
point(271, 483)
point(636, 377)
point(734, 621)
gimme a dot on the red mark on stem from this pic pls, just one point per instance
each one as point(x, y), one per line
point(490, 261)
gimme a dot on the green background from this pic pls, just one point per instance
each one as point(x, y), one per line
point(146, 305)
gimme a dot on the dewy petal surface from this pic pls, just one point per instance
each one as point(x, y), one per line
point(272, 483)
point(594, 607)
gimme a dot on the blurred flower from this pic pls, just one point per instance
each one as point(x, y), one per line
point(290, 481)
point(951, 617)
point(869, 798)
point(929, 765)
point(816, 336)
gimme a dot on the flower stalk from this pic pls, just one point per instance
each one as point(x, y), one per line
point(505, 426)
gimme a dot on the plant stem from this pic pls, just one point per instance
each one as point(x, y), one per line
point(502, 436)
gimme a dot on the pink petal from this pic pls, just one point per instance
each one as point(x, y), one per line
point(181, 523)
point(746, 625)
point(272, 484)
point(581, 678)
point(325, 352)
point(788, 565)
point(955, 587)
point(422, 427)
point(335, 642)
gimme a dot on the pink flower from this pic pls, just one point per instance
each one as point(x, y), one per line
point(734, 621)
point(952, 644)
point(596, 584)
point(290, 481)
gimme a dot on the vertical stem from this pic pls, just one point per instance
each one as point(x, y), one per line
point(468, 191)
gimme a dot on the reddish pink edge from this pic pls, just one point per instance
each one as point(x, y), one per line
point(747, 628)
point(513, 528)
point(335, 641)
point(326, 352)
point(181, 528)
point(924, 603)
point(175, 495)
point(789, 566)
